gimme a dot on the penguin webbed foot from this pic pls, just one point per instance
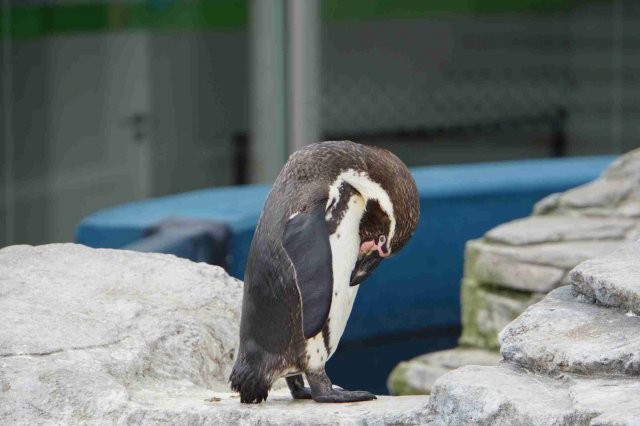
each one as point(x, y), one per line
point(297, 388)
point(323, 391)
point(337, 395)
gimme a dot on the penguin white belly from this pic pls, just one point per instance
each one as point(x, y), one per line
point(345, 245)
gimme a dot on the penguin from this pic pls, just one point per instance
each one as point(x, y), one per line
point(335, 211)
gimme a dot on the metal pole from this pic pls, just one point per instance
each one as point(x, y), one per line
point(303, 65)
point(268, 133)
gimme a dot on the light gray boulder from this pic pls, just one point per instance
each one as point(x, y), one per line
point(507, 396)
point(564, 334)
point(612, 280)
point(115, 337)
point(563, 255)
point(548, 229)
point(615, 194)
point(494, 267)
point(81, 326)
point(475, 395)
point(570, 359)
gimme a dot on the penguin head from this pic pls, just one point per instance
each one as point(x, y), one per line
point(392, 203)
point(392, 207)
point(396, 180)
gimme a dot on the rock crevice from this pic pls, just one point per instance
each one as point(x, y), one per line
point(57, 351)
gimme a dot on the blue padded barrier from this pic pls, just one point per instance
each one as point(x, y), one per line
point(415, 290)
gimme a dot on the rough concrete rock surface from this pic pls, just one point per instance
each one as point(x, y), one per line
point(497, 270)
point(562, 255)
point(614, 194)
point(572, 358)
point(567, 360)
point(417, 376)
point(556, 228)
point(507, 396)
point(612, 280)
point(207, 408)
point(114, 337)
point(563, 334)
point(474, 395)
point(599, 193)
point(627, 167)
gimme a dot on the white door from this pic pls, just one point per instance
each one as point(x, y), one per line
point(81, 136)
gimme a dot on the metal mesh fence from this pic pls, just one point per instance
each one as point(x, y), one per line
point(481, 76)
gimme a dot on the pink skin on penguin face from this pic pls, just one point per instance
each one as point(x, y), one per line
point(371, 245)
point(367, 246)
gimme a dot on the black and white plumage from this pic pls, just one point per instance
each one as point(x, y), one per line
point(335, 211)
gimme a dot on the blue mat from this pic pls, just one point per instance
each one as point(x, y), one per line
point(415, 290)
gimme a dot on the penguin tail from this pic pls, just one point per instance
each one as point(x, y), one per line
point(250, 382)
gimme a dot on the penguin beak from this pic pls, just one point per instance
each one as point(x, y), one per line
point(365, 264)
point(368, 260)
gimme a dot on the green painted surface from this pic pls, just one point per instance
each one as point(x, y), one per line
point(44, 21)
point(407, 9)
point(50, 20)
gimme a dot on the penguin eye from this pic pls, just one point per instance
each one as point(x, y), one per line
point(382, 239)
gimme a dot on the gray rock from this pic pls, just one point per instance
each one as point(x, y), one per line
point(612, 280)
point(603, 193)
point(508, 396)
point(114, 337)
point(81, 325)
point(562, 334)
point(613, 401)
point(616, 193)
point(567, 361)
point(546, 229)
point(494, 268)
point(487, 310)
point(547, 205)
point(417, 376)
point(188, 407)
point(561, 255)
point(498, 396)
point(630, 206)
point(627, 167)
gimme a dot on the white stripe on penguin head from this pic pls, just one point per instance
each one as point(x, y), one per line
point(369, 189)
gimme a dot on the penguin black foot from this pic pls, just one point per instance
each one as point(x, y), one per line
point(323, 391)
point(296, 386)
point(336, 395)
point(252, 386)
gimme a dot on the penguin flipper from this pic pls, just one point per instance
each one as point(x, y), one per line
point(306, 241)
